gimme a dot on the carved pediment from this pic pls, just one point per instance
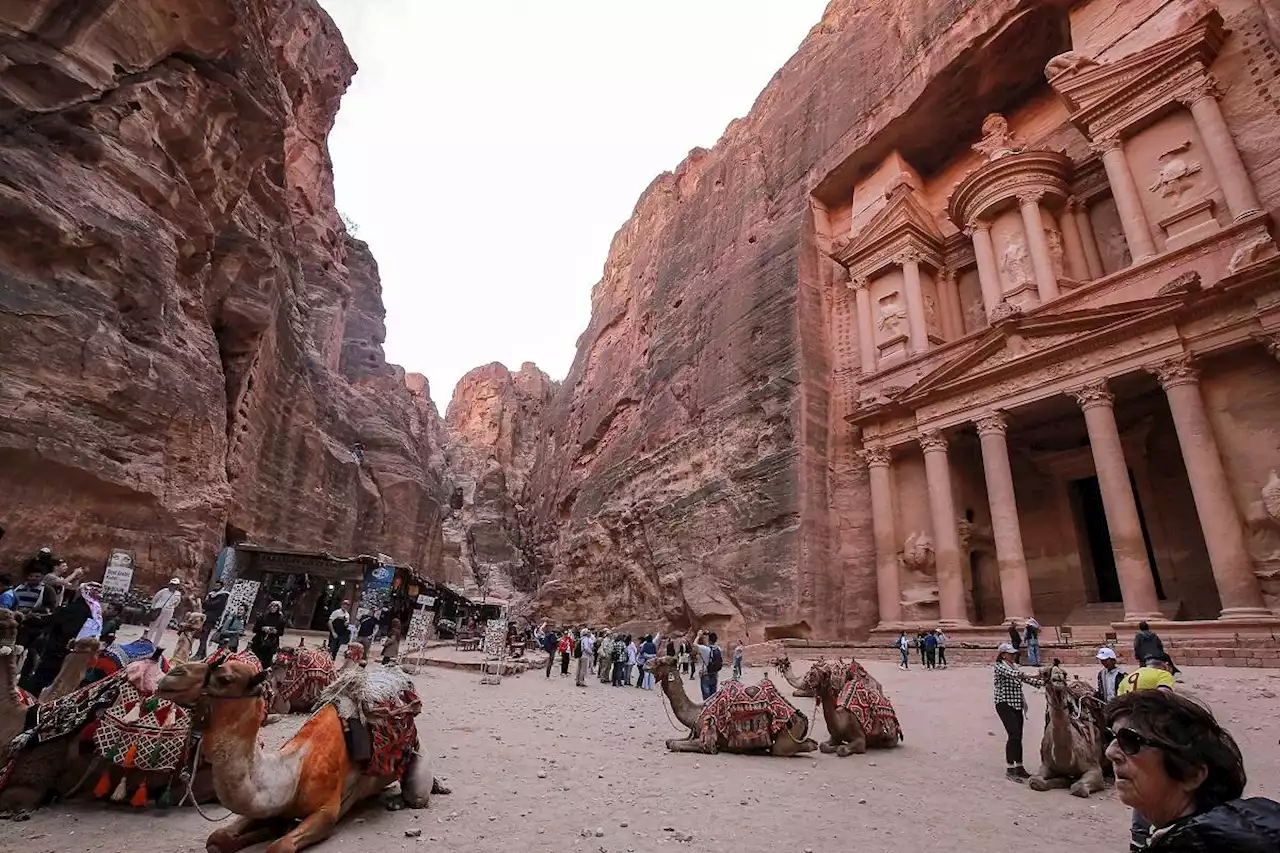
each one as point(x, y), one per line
point(901, 224)
point(1106, 99)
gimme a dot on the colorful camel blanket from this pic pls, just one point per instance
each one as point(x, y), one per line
point(143, 732)
point(116, 657)
point(394, 734)
point(744, 716)
point(866, 701)
point(307, 672)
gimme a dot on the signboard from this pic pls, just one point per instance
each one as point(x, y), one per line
point(377, 588)
point(119, 574)
point(426, 600)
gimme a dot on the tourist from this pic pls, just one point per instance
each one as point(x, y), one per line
point(904, 649)
point(1011, 707)
point(91, 594)
point(163, 603)
point(1015, 640)
point(547, 641)
point(930, 651)
point(339, 630)
point(586, 654)
point(82, 616)
point(738, 653)
point(29, 595)
point(648, 651)
point(942, 647)
point(43, 562)
point(1156, 674)
point(604, 652)
point(1109, 675)
point(266, 634)
point(710, 661)
point(366, 627)
point(683, 658)
point(1146, 644)
point(391, 648)
point(919, 644)
point(633, 653)
point(111, 622)
point(58, 581)
point(565, 649)
point(214, 607)
point(7, 599)
point(1031, 637)
point(231, 628)
point(1175, 764)
point(671, 648)
point(620, 659)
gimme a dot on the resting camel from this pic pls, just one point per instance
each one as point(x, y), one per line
point(1072, 751)
point(188, 632)
point(857, 712)
point(313, 779)
point(13, 701)
point(777, 727)
point(298, 677)
point(84, 654)
point(783, 665)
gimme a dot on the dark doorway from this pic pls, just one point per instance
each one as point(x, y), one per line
point(979, 610)
point(1087, 495)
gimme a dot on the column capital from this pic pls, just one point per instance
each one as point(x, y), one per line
point(909, 255)
point(992, 424)
point(1270, 340)
point(932, 441)
point(859, 283)
point(1179, 370)
point(947, 274)
point(974, 225)
point(1105, 143)
point(1030, 197)
point(1074, 204)
point(1208, 87)
point(1093, 395)
point(876, 456)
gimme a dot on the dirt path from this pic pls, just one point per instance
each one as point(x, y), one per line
point(606, 770)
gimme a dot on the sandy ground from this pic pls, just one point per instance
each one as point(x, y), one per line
point(610, 785)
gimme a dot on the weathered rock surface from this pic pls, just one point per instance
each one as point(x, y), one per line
point(493, 437)
point(190, 342)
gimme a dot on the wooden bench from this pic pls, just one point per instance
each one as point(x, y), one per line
point(467, 643)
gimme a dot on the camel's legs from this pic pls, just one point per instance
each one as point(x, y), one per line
point(1090, 782)
point(1046, 781)
point(315, 827)
point(244, 832)
point(417, 785)
point(828, 747)
point(687, 746)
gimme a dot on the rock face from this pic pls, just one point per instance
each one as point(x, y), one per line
point(493, 437)
point(191, 344)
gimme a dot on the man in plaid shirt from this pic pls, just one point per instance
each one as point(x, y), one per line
point(1011, 707)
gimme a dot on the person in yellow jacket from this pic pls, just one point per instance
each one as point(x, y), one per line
point(1157, 674)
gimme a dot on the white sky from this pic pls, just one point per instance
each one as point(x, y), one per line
point(488, 151)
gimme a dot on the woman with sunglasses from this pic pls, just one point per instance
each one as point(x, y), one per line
point(1011, 707)
point(1176, 766)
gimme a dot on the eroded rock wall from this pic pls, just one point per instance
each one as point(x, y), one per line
point(190, 343)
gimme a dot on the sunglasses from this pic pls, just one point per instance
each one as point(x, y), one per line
point(1130, 741)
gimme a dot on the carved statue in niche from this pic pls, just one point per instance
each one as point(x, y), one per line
point(917, 554)
point(1263, 522)
point(997, 141)
point(892, 313)
point(1056, 251)
point(1175, 176)
point(1016, 263)
point(1117, 246)
point(930, 312)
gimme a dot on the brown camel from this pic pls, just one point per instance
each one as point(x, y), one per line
point(1072, 751)
point(857, 712)
point(188, 632)
point(84, 654)
point(312, 779)
point(783, 665)
point(777, 728)
point(13, 702)
point(298, 677)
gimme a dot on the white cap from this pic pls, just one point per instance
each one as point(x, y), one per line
point(1105, 653)
point(175, 580)
point(46, 550)
point(1006, 648)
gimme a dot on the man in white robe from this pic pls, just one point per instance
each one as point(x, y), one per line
point(163, 603)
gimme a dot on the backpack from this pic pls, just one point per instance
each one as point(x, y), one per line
point(716, 661)
point(577, 648)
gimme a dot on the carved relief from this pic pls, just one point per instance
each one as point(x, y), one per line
point(1179, 370)
point(1176, 173)
point(1094, 394)
point(997, 141)
point(933, 442)
point(1188, 282)
point(1068, 63)
point(1003, 311)
point(1057, 252)
point(992, 424)
point(1015, 263)
point(1257, 249)
point(1116, 246)
point(917, 554)
point(876, 456)
point(890, 314)
point(1271, 497)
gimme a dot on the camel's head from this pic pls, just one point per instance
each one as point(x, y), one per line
point(818, 678)
point(783, 663)
point(1055, 676)
point(88, 646)
point(187, 683)
point(9, 627)
point(192, 623)
point(663, 667)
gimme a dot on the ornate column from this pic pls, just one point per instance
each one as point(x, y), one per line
point(1242, 201)
point(866, 326)
point(1015, 586)
point(1077, 263)
point(1219, 519)
point(1125, 192)
point(988, 273)
point(949, 307)
point(888, 585)
point(919, 329)
point(946, 538)
point(1137, 587)
point(1038, 244)
point(1092, 257)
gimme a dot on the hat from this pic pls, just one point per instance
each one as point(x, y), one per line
point(46, 550)
point(1006, 648)
point(175, 581)
point(1163, 657)
point(1105, 653)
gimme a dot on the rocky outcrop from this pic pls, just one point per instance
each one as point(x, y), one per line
point(190, 342)
point(493, 437)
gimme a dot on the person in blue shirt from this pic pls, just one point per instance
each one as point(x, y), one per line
point(7, 600)
point(930, 651)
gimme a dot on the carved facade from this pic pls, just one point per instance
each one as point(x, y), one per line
point(1066, 335)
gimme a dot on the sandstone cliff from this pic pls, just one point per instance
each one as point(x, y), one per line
point(493, 437)
point(190, 342)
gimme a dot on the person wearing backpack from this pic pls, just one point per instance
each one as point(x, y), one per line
point(711, 657)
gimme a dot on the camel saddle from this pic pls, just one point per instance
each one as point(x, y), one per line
point(866, 701)
point(307, 673)
point(117, 656)
point(378, 708)
point(143, 732)
point(746, 716)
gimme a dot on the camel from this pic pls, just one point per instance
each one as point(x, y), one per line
point(857, 712)
point(1072, 751)
point(783, 665)
point(775, 727)
point(314, 778)
point(298, 677)
point(13, 700)
point(188, 633)
point(84, 654)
